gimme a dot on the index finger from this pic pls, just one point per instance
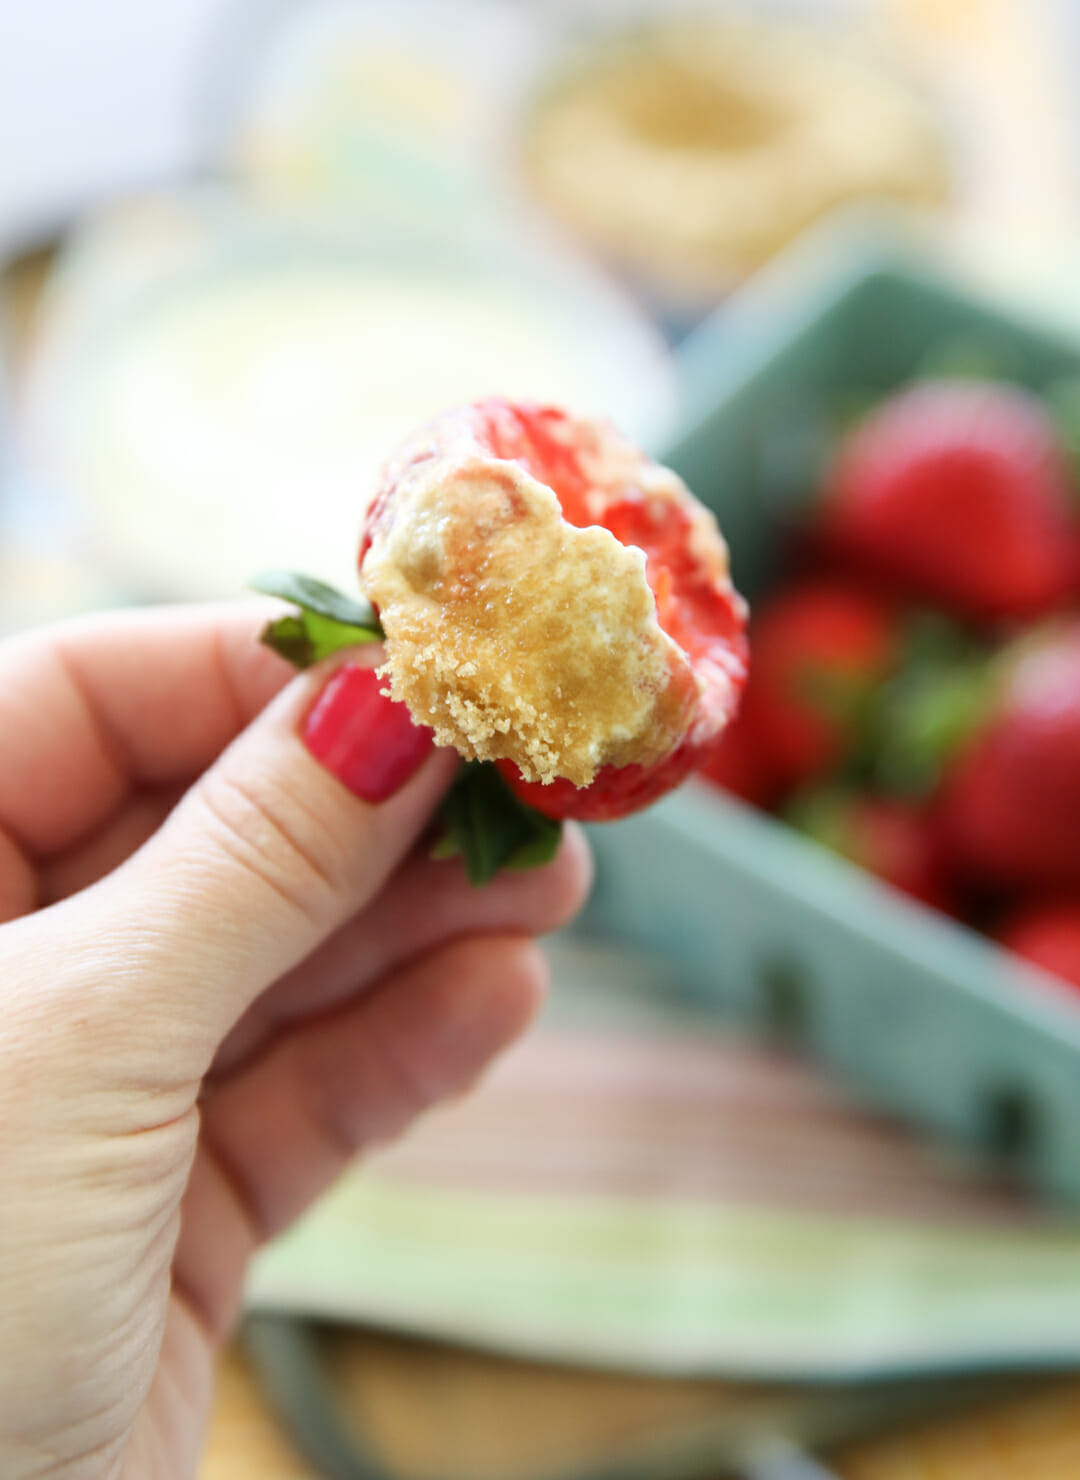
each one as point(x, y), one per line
point(94, 710)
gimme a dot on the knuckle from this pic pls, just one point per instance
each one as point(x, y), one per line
point(415, 1080)
point(262, 828)
point(368, 1096)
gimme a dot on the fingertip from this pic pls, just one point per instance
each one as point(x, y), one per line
point(578, 870)
point(514, 989)
point(479, 994)
point(529, 978)
point(507, 979)
point(559, 889)
point(535, 900)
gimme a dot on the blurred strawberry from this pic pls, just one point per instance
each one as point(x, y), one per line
point(892, 839)
point(927, 710)
point(820, 650)
point(1049, 935)
point(739, 765)
point(959, 491)
point(1010, 810)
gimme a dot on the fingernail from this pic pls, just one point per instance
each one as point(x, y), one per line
point(366, 740)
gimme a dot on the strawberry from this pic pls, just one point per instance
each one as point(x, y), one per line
point(1048, 935)
point(738, 765)
point(556, 603)
point(820, 651)
point(958, 491)
point(892, 839)
point(1010, 809)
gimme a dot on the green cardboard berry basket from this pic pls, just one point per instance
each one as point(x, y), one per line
point(921, 1014)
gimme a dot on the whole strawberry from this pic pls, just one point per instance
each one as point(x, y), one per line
point(1010, 810)
point(958, 491)
point(739, 765)
point(893, 839)
point(554, 602)
point(1048, 935)
point(820, 651)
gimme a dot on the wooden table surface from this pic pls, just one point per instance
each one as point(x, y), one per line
point(1032, 1437)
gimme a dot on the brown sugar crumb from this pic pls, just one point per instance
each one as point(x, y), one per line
point(514, 634)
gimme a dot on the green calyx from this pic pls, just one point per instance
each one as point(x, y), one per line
point(824, 814)
point(490, 828)
point(325, 620)
point(928, 710)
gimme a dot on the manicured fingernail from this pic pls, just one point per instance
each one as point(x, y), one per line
point(366, 740)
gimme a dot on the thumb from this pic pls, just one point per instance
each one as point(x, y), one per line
point(294, 828)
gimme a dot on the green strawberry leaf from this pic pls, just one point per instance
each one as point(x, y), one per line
point(929, 724)
point(317, 596)
point(307, 638)
point(835, 694)
point(325, 622)
point(928, 710)
point(823, 814)
point(490, 828)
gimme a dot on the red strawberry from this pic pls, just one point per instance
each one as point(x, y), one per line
point(892, 839)
point(1010, 811)
point(538, 666)
point(959, 492)
point(820, 650)
point(738, 764)
point(1049, 935)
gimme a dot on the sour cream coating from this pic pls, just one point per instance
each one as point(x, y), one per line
point(510, 631)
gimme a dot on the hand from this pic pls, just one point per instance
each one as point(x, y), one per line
point(221, 974)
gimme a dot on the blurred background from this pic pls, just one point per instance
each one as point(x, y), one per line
point(244, 246)
point(249, 242)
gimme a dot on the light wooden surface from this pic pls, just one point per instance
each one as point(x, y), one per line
point(244, 1442)
point(1034, 1438)
point(404, 1396)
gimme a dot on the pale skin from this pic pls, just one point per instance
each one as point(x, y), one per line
point(221, 977)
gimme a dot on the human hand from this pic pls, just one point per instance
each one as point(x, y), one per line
point(221, 975)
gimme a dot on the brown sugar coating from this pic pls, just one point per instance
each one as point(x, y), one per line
point(511, 632)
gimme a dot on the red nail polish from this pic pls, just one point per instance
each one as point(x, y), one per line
point(366, 740)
